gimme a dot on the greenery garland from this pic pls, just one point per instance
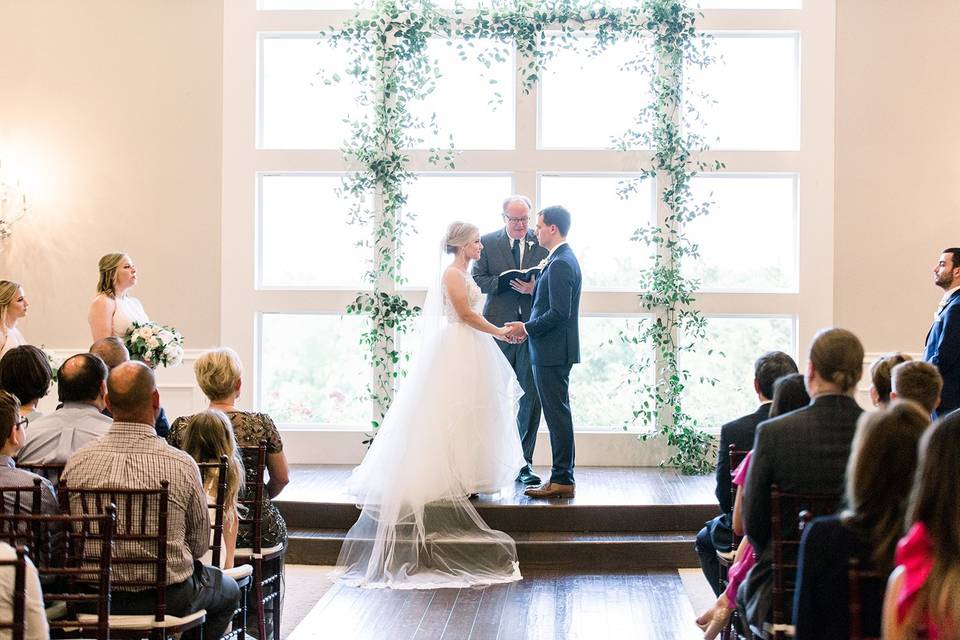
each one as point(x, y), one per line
point(389, 58)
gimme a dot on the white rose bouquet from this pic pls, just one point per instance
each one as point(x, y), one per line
point(154, 344)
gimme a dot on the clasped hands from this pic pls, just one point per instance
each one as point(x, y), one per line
point(513, 332)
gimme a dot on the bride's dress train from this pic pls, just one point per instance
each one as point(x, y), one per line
point(450, 432)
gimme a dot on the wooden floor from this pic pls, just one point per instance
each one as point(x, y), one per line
point(545, 604)
point(596, 486)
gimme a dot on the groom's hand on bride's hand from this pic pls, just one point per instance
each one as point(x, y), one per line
point(517, 332)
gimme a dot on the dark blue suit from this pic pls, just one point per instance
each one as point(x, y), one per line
point(554, 342)
point(943, 351)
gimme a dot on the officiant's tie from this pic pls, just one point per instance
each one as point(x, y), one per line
point(515, 250)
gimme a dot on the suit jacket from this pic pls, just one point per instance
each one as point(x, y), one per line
point(496, 257)
point(943, 351)
point(554, 327)
point(740, 434)
point(804, 451)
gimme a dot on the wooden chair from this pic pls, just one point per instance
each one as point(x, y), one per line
point(17, 622)
point(863, 584)
point(266, 582)
point(789, 512)
point(726, 558)
point(51, 472)
point(242, 574)
point(140, 541)
point(88, 547)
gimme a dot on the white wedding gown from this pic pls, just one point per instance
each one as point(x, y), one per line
point(450, 432)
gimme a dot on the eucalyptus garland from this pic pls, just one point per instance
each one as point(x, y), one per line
point(389, 56)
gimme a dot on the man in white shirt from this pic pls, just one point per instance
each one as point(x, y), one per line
point(943, 340)
point(81, 384)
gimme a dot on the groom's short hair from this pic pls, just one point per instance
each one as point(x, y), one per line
point(559, 216)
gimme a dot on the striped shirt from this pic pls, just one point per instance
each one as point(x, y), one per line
point(132, 456)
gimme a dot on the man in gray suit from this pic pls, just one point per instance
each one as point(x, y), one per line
point(514, 247)
point(804, 451)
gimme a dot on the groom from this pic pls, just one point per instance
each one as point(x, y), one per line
point(554, 345)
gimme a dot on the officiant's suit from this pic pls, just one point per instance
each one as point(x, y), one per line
point(499, 254)
point(554, 337)
point(943, 351)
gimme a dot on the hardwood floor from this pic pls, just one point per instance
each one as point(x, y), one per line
point(546, 604)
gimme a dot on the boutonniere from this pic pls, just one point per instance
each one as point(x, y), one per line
point(543, 263)
point(529, 243)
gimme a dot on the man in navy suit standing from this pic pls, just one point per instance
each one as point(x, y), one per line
point(554, 342)
point(943, 340)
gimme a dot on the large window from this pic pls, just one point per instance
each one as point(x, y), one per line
point(293, 257)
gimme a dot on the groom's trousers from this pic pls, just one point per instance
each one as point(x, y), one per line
point(528, 415)
point(553, 385)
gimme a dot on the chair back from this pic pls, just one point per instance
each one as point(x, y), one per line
point(789, 512)
point(22, 501)
point(864, 586)
point(255, 462)
point(217, 506)
point(51, 471)
point(17, 621)
point(140, 538)
point(86, 559)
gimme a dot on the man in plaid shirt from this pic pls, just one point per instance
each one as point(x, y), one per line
point(132, 456)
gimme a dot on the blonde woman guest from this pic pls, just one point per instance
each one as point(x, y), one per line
point(207, 436)
point(13, 306)
point(219, 374)
point(114, 310)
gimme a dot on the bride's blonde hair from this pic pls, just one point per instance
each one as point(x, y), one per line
point(459, 234)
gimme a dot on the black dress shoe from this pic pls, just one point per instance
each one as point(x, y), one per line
point(528, 477)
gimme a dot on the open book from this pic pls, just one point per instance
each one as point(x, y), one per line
point(503, 283)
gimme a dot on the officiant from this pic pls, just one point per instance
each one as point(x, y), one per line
point(514, 247)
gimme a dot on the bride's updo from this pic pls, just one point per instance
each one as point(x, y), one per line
point(459, 234)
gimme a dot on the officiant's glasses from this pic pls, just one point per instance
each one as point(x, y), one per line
point(525, 220)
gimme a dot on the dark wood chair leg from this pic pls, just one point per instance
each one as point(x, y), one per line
point(261, 613)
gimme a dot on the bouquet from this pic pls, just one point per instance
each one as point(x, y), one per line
point(154, 345)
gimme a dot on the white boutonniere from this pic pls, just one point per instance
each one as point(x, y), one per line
point(529, 243)
point(543, 263)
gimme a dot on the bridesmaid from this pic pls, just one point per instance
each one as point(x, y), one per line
point(114, 311)
point(13, 306)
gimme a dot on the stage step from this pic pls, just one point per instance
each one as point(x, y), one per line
point(572, 550)
point(553, 516)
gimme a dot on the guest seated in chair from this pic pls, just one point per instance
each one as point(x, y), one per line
point(918, 381)
point(82, 388)
point(12, 437)
point(880, 377)
point(219, 375)
point(715, 536)
point(35, 617)
point(25, 372)
point(206, 437)
point(805, 451)
point(922, 594)
point(789, 394)
point(879, 477)
point(131, 455)
point(113, 352)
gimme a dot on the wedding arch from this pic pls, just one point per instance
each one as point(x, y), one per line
point(390, 60)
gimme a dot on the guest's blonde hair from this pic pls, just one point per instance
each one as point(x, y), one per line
point(108, 273)
point(207, 436)
point(217, 372)
point(8, 293)
point(459, 234)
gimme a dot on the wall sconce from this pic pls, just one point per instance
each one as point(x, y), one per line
point(13, 203)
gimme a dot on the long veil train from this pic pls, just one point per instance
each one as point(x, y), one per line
point(450, 432)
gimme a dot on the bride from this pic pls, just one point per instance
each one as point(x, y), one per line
point(450, 432)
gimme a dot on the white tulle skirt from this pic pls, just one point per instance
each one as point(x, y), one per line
point(450, 432)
